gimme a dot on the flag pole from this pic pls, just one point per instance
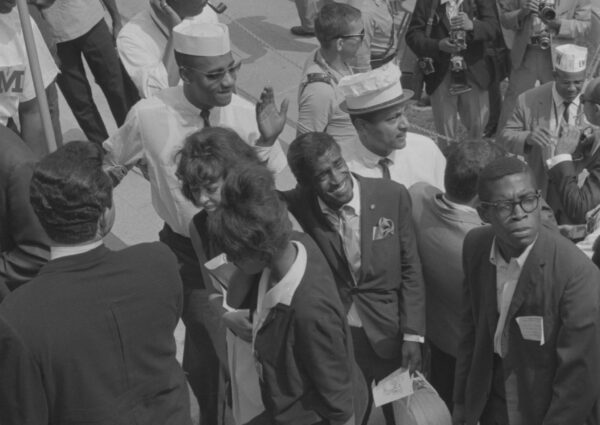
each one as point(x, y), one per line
point(36, 74)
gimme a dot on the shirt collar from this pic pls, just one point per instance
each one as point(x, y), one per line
point(65, 251)
point(354, 203)
point(558, 100)
point(459, 207)
point(370, 159)
point(189, 108)
point(284, 290)
point(496, 258)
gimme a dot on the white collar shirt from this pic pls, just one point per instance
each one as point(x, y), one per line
point(142, 43)
point(558, 108)
point(507, 277)
point(70, 19)
point(156, 128)
point(65, 251)
point(419, 161)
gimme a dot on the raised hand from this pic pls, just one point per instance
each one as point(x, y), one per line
point(269, 119)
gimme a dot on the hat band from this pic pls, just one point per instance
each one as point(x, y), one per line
point(379, 97)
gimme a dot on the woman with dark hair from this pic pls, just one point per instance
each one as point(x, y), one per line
point(302, 343)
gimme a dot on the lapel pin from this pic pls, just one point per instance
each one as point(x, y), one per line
point(372, 206)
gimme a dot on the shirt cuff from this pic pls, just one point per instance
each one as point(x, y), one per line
point(413, 338)
point(273, 156)
point(557, 159)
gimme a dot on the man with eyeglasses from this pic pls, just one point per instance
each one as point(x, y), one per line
point(155, 131)
point(529, 352)
point(340, 31)
point(546, 123)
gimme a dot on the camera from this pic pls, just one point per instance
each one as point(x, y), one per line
point(547, 9)
point(426, 66)
point(539, 34)
point(459, 38)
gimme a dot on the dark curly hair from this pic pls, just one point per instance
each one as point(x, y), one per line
point(208, 155)
point(70, 192)
point(305, 151)
point(252, 221)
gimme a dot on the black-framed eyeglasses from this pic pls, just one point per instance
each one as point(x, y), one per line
point(360, 35)
point(219, 75)
point(528, 203)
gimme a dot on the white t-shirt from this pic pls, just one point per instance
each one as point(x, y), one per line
point(70, 19)
point(16, 83)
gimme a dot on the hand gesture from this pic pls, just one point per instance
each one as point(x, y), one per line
point(540, 137)
point(270, 121)
point(446, 45)
point(529, 7)
point(461, 22)
point(165, 13)
point(238, 322)
point(568, 141)
point(411, 356)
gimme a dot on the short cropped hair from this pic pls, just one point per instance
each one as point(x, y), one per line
point(305, 151)
point(497, 169)
point(464, 164)
point(334, 20)
point(207, 155)
point(252, 221)
point(69, 192)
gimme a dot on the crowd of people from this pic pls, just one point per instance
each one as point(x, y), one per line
point(473, 259)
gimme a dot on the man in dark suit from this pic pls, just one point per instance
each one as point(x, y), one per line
point(429, 37)
point(97, 324)
point(363, 227)
point(23, 242)
point(530, 337)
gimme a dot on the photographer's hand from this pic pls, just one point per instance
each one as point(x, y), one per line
point(446, 45)
point(529, 7)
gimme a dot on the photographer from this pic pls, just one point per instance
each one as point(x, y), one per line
point(429, 36)
point(538, 26)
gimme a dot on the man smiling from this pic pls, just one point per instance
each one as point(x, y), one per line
point(376, 103)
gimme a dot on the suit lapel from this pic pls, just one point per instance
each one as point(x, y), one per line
point(368, 207)
point(488, 278)
point(545, 108)
point(443, 16)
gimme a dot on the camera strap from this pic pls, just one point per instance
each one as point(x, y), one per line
point(434, 6)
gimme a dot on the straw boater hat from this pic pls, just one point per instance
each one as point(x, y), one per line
point(373, 90)
point(193, 39)
point(570, 58)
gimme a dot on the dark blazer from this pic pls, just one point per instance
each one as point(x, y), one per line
point(552, 384)
point(485, 28)
point(575, 201)
point(99, 326)
point(23, 242)
point(390, 295)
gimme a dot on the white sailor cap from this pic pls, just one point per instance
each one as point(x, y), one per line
point(373, 90)
point(570, 58)
point(206, 39)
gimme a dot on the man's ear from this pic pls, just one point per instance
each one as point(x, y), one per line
point(184, 73)
point(483, 214)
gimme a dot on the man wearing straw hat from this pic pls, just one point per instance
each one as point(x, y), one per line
point(376, 102)
point(546, 118)
point(155, 131)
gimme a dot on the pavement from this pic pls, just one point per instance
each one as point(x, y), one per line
point(271, 55)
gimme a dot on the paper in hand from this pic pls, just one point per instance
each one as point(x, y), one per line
point(397, 385)
point(532, 328)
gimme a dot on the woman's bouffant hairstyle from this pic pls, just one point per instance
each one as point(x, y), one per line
point(208, 155)
point(252, 221)
point(70, 192)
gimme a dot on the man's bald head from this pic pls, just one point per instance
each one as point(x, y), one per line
point(591, 100)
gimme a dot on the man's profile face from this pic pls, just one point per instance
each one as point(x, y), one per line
point(211, 80)
point(386, 132)
point(332, 180)
point(568, 85)
point(516, 229)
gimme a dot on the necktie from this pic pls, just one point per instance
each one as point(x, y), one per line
point(350, 242)
point(566, 112)
point(204, 114)
point(384, 163)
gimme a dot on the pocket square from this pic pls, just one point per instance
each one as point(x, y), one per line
point(384, 228)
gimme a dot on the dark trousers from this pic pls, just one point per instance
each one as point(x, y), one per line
point(97, 46)
point(442, 374)
point(373, 368)
point(495, 411)
point(200, 360)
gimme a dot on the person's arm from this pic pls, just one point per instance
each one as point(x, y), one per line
point(124, 148)
point(515, 132)
point(512, 15)
point(576, 386)
point(115, 16)
point(270, 122)
point(416, 39)
point(315, 107)
point(412, 286)
point(579, 25)
point(486, 26)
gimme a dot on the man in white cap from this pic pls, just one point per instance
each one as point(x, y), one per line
point(155, 130)
point(145, 43)
point(376, 102)
point(546, 118)
point(531, 61)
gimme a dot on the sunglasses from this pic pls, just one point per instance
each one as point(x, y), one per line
point(360, 35)
point(219, 75)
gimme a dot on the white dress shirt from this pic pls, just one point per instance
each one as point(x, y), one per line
point(556, 120)
point(419, 161)
point(70, 19)
point(65, 251)
point(507, 276)
point(156, 128)
point(16, 83)
point(141, 44)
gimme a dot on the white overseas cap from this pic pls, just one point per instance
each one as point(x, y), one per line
point(204, 39)
point(373, 90)
point(570, 58)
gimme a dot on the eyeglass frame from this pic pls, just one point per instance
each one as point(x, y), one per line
point(218, 76)
point(507, 213)
point(361, 35)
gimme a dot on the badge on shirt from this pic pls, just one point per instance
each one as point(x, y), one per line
point(384, 228)
point(532, 328)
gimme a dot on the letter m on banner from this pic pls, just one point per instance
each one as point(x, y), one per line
point(12, 79)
